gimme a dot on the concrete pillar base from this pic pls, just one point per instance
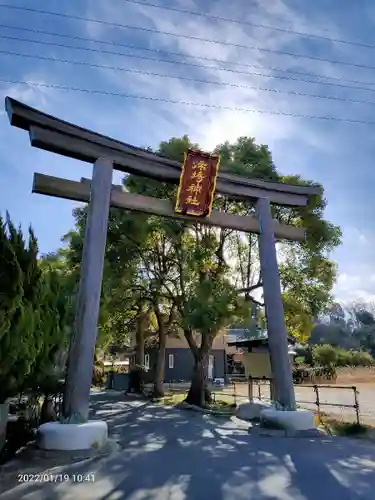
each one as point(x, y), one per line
point(301, 420)
point(251, 410)
point(65, 437)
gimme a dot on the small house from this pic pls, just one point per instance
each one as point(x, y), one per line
point(179, 361)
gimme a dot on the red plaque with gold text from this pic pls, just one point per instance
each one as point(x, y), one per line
point(197, 184)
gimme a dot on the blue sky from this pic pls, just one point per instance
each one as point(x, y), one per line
point(340, 155)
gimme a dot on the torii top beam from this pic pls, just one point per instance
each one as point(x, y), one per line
point(52, 134)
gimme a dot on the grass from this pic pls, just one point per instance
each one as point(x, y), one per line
point(339, 428)
point(219, 405)
point(172, 399)
point(349, 429)
point(223, 407)
point(336, 427)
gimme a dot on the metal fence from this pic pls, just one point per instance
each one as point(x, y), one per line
point(340, 402)
point(335, 400)
point(346, 410)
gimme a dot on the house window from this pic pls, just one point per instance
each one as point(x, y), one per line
point(147, 361)
point(171, 361)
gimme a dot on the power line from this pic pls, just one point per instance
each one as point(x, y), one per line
point(186, 103)
point(248, 47)
point(189, 79)
point(219, 18)
point(148, 30)
point(200, 66)
point(249, 23)
point(165, 52)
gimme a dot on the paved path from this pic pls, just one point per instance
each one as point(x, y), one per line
point(170, 454)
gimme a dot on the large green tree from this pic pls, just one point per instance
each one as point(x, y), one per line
point(306, 271)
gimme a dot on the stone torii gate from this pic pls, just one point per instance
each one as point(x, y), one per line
point(57, 136)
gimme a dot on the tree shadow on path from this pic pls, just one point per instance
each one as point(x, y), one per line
point(168, 453)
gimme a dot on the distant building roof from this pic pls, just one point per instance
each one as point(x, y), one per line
point(235, 334)
point(245, 338)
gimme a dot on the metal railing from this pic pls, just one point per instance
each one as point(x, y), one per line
point(322, 400)
point(342, 406)
point(319, 402)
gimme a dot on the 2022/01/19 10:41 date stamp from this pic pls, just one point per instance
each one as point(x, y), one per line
point(56, 477)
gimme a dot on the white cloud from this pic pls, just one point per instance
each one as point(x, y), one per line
point(34, 96)
point(356, 236)
point(211, 126)
point(351, 287)
point(356, 278)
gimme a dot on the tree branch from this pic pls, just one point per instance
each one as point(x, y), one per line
point(180, 278)
point(220, 251)
point(172, 316)
point(248, 270)
point(260, 304)
point(250, 288)
point(191, 342)
point(239, 256)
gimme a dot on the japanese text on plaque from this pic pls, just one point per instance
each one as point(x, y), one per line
point(197, 184)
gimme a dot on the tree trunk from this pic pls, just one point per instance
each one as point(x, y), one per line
point(136, 374)
point(140, 341)
point(199, 394)
point(160, 365)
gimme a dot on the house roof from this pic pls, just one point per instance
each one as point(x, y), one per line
point(244, 338)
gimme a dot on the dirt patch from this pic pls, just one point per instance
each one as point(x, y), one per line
point(355, 375)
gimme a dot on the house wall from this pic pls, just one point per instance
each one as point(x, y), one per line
point(180, 342)
point(183, 363)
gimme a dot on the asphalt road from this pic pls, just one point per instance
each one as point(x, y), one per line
point(174, 454)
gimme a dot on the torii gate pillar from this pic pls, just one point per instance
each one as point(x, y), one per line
point(83, 340)
point(277, 334)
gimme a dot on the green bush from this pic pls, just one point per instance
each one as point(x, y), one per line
point(344, 357)
point(360, 358)
point(33, 311)
point(327, 355)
